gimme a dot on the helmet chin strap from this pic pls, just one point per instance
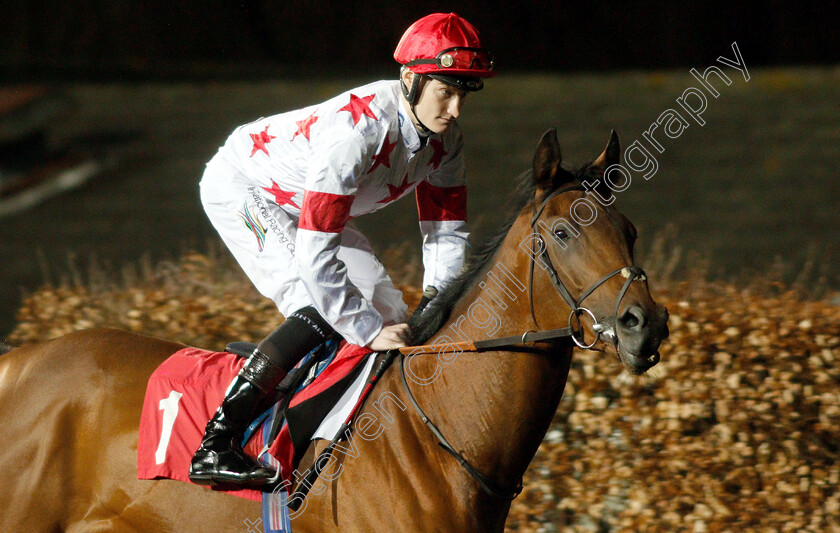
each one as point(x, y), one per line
point(412, 95)
point(424, 130)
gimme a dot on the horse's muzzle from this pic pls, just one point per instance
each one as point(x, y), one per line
point(640, 332)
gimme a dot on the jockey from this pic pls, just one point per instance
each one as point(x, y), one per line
point(281, 193)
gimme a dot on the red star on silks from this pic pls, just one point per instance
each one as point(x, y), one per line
point(281, 197)
point(358, 107)
point(304, 126)
point(395, 192)
point(438, 154)
point(384, 155)
point(260, 140)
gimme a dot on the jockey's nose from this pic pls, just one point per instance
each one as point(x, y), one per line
point(455, 106)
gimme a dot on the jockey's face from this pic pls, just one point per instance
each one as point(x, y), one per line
point(439, 104)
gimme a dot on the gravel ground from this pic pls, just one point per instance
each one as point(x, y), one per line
point(735, 430)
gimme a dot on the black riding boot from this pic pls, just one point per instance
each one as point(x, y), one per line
point(220, 459)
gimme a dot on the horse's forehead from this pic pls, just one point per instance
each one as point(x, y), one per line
point(579, 204)
point(586, 214)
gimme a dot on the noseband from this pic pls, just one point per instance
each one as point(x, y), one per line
point(631, 273)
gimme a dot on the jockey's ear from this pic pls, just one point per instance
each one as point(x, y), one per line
point(611, 154)
point(548, 173)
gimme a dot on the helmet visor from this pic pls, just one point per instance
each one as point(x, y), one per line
point(459, 58)
point(464, 83)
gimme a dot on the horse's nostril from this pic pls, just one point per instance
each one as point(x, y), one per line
point(633, 318)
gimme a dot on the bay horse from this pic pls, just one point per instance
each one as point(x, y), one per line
point(70, 407)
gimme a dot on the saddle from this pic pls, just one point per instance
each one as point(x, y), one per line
point(185, 390)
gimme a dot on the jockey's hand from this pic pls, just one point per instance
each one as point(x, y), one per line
point(390, 337)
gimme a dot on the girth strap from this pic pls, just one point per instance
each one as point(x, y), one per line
point(381, 364)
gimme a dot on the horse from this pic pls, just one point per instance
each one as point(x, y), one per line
point(70, 407)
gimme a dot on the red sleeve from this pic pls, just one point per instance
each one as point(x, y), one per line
point(441, 203)
point(324, 211)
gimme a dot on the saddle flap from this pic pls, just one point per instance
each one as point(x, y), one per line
point(185, 390)
point(241, 348)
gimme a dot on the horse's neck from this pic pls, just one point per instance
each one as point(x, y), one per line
point(496, 406)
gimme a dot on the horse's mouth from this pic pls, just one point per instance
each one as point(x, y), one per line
point(637, 364)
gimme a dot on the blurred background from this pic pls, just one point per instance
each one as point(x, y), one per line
point(109, 110)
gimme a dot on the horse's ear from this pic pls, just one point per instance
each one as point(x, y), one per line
point(547, 161)
point(611, 154)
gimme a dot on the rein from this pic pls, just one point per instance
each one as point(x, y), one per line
point(632, 273)
point(487, 485)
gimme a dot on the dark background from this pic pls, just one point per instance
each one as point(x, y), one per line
point(155, 88)
point(135, 39)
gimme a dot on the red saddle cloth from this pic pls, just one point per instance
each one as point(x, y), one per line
point(185, 391)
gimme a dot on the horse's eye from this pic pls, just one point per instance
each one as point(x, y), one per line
point(561, 234)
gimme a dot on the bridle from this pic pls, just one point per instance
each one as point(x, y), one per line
point(631, 273)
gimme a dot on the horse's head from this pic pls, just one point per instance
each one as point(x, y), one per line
point(584, 274)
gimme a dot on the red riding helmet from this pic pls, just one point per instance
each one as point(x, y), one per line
point(447, 47)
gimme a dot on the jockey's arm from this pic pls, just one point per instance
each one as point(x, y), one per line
point(442, 210)
point(328, 197)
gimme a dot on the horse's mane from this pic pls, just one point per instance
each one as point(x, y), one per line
point(4, 348)
point(424, 325)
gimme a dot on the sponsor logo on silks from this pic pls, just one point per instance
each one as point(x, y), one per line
point(249, 218)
